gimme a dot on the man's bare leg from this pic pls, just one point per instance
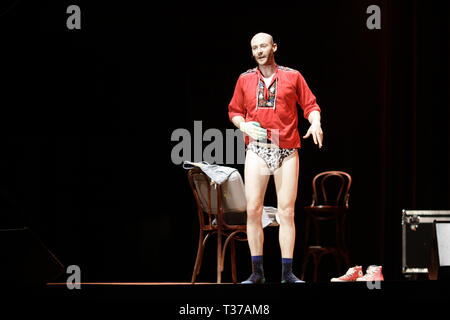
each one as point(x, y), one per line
point(256, 180)
point(286, 184)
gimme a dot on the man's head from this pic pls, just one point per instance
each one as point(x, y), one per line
point(263, 48)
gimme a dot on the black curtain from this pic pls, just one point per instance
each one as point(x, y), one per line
point(87, 118)
point(414, 131)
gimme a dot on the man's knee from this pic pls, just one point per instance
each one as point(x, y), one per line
point(254, 211)
point(286, 214)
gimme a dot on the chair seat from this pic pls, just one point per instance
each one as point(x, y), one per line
point(326, 212)
point(229, 227)
point(323, 208)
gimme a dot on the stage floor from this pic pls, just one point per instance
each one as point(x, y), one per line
point(175, 300)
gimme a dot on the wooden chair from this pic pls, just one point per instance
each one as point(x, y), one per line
point(213, 221)
point(329, 203)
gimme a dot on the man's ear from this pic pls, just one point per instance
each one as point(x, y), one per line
point(274, 47)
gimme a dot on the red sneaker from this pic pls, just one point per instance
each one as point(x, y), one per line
point(373, 273)
point(351, 275)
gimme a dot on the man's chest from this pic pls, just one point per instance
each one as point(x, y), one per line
point(281, 93)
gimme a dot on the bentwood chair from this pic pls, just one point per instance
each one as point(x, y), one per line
point(330, 202)
point(213, 221)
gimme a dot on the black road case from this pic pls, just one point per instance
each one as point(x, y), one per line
point(417, 237)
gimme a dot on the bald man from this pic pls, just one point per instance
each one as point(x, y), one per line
point(264, 107)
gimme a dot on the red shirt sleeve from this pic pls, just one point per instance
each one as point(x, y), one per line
point(306, 98)
point(236, 106)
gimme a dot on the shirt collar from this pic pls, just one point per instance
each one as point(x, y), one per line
point(275, 75)
point(261, 76)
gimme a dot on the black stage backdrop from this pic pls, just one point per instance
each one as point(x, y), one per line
point(87, 117)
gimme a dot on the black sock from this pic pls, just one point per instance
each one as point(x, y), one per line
point(257, 265)
point(257, 275)
point(286, 273)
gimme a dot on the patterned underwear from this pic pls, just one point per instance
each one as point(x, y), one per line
point(272, 155)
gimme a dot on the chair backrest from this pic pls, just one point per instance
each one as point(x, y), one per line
point(203, 191)
point(212, 199)
point(331, 188)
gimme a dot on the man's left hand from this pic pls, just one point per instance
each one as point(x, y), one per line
point(316, 132)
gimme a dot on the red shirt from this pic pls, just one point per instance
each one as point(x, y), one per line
point(274, 107)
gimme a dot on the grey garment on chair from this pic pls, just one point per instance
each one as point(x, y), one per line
point(216, 173)
point(230, 181)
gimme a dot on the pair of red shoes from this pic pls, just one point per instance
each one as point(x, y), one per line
point(373, 273)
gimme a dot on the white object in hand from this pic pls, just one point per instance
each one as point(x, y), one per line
point(253, 129)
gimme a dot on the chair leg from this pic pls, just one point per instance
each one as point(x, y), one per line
point(339, 255)
point(316, 260)
point(198, 259)
point(305, 265)
point(306, 239)
point(344, 241)
point(338, 259)
point(224, 251)
point(315, 268)
point(317, 232)
point(347, 260)
point(219, 256)
point(233, 261)
point(341, 241)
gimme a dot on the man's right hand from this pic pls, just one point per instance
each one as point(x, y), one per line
point(253, 129)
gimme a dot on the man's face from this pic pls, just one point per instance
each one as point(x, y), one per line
point(263, 49)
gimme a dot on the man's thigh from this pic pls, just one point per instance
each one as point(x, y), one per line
point(286, 181)
point(256, 178)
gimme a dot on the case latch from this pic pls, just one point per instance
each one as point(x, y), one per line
point(413, 222)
